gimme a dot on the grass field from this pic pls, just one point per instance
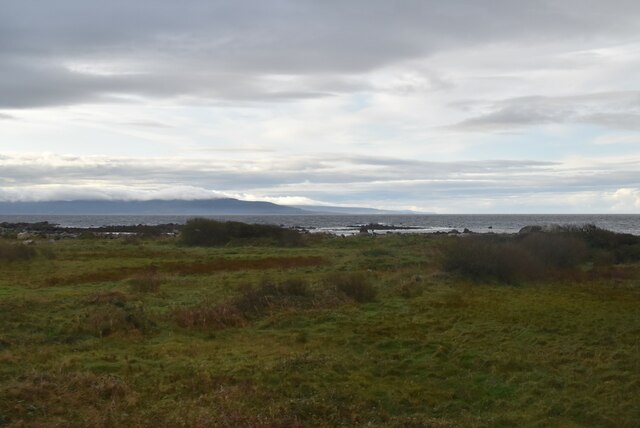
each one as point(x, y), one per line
point(359, 331)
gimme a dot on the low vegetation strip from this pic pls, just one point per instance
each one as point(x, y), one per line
point(185, 268)
point(294, 293)
point(240, 264)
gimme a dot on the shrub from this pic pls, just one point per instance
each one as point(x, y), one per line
point(486, 257)
point(539, 253)
point(211, 233)
point(556, 250)
point(254, 301)
point(107, 319)
point(16, 252)
point(207, 315)
point(294, 287)
point(623, 247)
point(257, 301)
point(113, 297)
point(203, 232)
point(148, 281)
point(354, 285)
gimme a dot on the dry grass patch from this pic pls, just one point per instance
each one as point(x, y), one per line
point(113, 297)
point(65, 399)
point(209, 316)
point(108, 319)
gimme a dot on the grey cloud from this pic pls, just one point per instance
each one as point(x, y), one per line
point(609, 109)
point(236, 50)
point(29, 85)
point(419, 165)
point(146, 124)
point(4, 116)
point(630, 121)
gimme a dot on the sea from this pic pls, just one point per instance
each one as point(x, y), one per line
point(339, 224)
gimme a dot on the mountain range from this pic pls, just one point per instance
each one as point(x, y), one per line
point(222, 206)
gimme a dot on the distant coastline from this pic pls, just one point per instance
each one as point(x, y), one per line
point(343, 224)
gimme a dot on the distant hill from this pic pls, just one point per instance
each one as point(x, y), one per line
point(225, 206)
point(321, 209)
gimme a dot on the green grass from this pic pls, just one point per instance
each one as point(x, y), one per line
point(82, 345)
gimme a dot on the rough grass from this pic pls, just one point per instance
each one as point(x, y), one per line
point(279, 344)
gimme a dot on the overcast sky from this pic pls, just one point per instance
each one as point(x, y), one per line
point(450, 106)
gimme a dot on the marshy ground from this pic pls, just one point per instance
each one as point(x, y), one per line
point(359, 331)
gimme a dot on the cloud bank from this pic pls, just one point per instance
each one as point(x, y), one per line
point(373, 181)
point(456, 106)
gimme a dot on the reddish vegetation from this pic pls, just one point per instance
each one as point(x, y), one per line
point(241, 264)
point(183, 268)
point(209, 316)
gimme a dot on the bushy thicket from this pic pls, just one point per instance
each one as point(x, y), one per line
point(619, 247)
point(538, 254)
point(253, 302)
point(211, 233)
point(15, 252)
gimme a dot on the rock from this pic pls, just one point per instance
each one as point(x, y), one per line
point(454, 231)
point(23, 235)
point(530, 229)
point(466, 230)
point(542, 228)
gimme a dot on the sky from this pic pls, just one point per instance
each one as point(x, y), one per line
point(450, 106)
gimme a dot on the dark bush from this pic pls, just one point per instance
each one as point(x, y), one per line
point(107, 319)
point(556, 250)
point(16, 252)
point(294, 287)
point(255, 301)
point(539, 253)
point(622, 247)
point(486, 257)
point(354, 285)
point(114, 297)
point(206, 232)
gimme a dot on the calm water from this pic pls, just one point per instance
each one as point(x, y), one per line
point(347, 224)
